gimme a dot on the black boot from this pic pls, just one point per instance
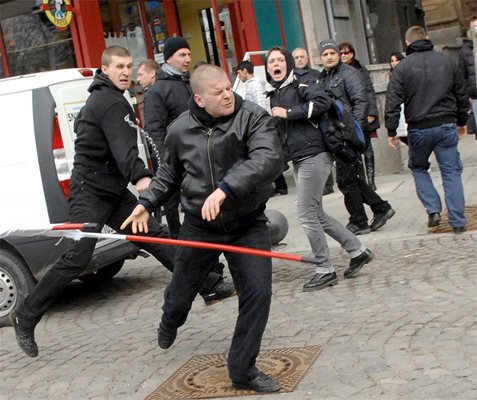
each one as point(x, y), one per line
point(25, 335)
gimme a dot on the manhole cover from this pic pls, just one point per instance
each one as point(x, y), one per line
point(444, 227)
point(206, 377)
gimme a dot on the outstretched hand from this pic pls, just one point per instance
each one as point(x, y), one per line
point(138, 218)
point(211, 207)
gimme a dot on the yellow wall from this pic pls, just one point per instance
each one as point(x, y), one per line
point(190, 26)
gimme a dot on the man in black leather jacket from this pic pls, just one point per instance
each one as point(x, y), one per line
point(223, 154)
point(345, 83)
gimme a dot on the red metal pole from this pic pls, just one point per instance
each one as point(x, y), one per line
point(3, 53)
point(220, 40)
point(145, 27)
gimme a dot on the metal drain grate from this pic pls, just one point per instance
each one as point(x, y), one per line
point(206, 377)
point(444, 227)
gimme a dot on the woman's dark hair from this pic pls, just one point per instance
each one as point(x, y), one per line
point(347, 45)
point(396, 54)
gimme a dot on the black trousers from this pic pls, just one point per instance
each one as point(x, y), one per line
point(252, 277)
point(87, 206)
point(357, 192)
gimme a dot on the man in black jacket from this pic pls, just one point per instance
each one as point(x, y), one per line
point(223, 155)
point(106, 160)
point(435, 107)
point(345, 83)
point(165, 100)
point(467, 69)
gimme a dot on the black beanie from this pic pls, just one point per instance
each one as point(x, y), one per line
point(173, 44)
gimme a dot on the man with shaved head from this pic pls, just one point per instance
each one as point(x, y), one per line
point(222, 154)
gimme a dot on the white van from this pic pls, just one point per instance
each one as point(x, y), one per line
point(36, 158)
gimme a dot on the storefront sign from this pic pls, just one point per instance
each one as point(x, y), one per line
point(59, 12)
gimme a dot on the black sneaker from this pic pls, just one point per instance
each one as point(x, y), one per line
point(220, 291)
point(459, 229)
point(261, 383)
point(380, 219)
point(25, 336)
point(166, 336)
point(320, 281)
point(358, 230)
point(356, 263)
point(434, 220)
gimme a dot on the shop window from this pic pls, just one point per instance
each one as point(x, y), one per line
point(33, 44)
point(122, 27)
point(157, 27)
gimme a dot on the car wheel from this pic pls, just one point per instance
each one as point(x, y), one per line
point(104, 273)
point(16, 281)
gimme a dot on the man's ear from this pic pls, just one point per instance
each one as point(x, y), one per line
point(198, 100)
point(104, 69)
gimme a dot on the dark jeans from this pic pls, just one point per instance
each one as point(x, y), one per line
point(357, 192)
point(252, 277)
point(86, 206)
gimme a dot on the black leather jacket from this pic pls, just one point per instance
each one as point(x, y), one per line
point(240, 154)
point(346, 84)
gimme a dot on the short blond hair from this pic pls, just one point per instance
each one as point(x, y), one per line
point(415, 33)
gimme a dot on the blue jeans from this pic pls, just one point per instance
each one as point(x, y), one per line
point(310, 177)
point(252, 277)
point(442, 140)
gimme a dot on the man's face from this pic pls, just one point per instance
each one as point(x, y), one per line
point(277, 65)
point(242, 74)
point(119, 71)
point(330, 58)
point(301, 59)
point(144, 77)
point(180, 60)
point(217, 97)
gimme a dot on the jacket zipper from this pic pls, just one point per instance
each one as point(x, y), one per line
point(210, 132)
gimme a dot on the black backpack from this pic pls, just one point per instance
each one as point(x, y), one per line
point(342, 134)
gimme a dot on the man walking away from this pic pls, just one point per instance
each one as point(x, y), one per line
point(435, 107)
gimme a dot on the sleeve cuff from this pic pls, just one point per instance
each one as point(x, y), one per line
point(392, 133)
point(225, 188)
point(147, 205)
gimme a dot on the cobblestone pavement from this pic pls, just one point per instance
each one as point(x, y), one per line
point(405, 328)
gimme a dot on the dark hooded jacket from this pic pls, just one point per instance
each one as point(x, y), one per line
point(431, 88)
point(165, 100)
point(239, 154)
point(467, 67)
point(106, 153)
point(305, 101)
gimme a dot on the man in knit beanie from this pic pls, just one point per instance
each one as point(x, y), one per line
point(163, 103)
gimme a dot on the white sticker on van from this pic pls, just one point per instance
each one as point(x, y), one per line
point(72, 110)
